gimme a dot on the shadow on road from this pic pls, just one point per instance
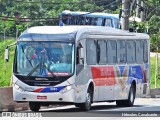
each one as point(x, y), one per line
point(93, 108)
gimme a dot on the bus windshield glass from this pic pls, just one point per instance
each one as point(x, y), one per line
point(44, 59)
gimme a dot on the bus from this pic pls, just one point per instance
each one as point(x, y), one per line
point(86, 18)
point(80, 65)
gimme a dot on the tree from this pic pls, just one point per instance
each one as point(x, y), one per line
point(154, 32)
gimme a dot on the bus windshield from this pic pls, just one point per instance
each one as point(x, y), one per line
point(44, 59)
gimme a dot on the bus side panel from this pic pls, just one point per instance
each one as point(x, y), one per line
point(83, 79)
point(122, 86)
point(126, 75)
point(104, 78)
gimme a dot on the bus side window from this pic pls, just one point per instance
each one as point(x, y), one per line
point(145, 52)
point(102, 52)
point(139, 51)
point(91, 52)
point(99, 22)
point(121, 51)
point(117, 23)
point(131, 55)
point(112, 51)
point(108, 22)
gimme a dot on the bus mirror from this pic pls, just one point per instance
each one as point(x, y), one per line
point(6, 54)
point(81, 53)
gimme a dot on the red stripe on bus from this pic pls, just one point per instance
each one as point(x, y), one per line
point(103, 76)
point(38, 90)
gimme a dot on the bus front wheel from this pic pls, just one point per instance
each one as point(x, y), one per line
point(34, 106)
point(87, 104)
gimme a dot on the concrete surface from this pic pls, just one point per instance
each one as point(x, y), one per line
point(7, 103)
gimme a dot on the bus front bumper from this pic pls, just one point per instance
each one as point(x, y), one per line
point(22, 96)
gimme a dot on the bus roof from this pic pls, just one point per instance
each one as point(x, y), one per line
point(95, 14)
point(69, 32)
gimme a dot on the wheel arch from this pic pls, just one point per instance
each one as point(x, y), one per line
point(91, 87)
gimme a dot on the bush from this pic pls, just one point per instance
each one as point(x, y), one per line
point(6, 67)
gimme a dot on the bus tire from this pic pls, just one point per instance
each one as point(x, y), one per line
point(130, 101)
point(87, 105)
point(34, 106)
point(119, 103)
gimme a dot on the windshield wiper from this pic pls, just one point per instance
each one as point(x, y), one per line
point(42, 65)
point(34, 69)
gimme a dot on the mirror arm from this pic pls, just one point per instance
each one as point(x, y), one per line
point(11, 45)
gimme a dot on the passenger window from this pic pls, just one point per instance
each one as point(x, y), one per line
point(145, 52)
point(121, 51)
point(111, 51)
point(108, 23)
point(131, 51)
point(99, 21)
point(91, 52)
point(116, 23)
point(139, 51)
point(102, 52)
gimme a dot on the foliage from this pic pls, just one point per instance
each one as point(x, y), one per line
point(6, 67)
point(154, 32)
point(21, 14)
point(153, 68)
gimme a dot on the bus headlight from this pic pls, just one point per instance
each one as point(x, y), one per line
point(18, 87)
point(66, 89)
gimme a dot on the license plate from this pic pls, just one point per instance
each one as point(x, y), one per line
point(41, 97)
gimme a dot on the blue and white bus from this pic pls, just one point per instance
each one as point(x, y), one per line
point(87, 18)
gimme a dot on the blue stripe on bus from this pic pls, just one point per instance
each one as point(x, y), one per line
point(52, 89)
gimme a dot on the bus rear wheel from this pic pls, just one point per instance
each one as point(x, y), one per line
point(130, 101)
point(34, 106)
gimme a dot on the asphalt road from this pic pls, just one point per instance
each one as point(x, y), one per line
point(144, 107)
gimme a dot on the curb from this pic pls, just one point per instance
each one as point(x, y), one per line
point(155, 93)
point(7, 103)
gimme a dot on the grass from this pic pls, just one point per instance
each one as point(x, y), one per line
point(6, 67)
point(153, 71)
